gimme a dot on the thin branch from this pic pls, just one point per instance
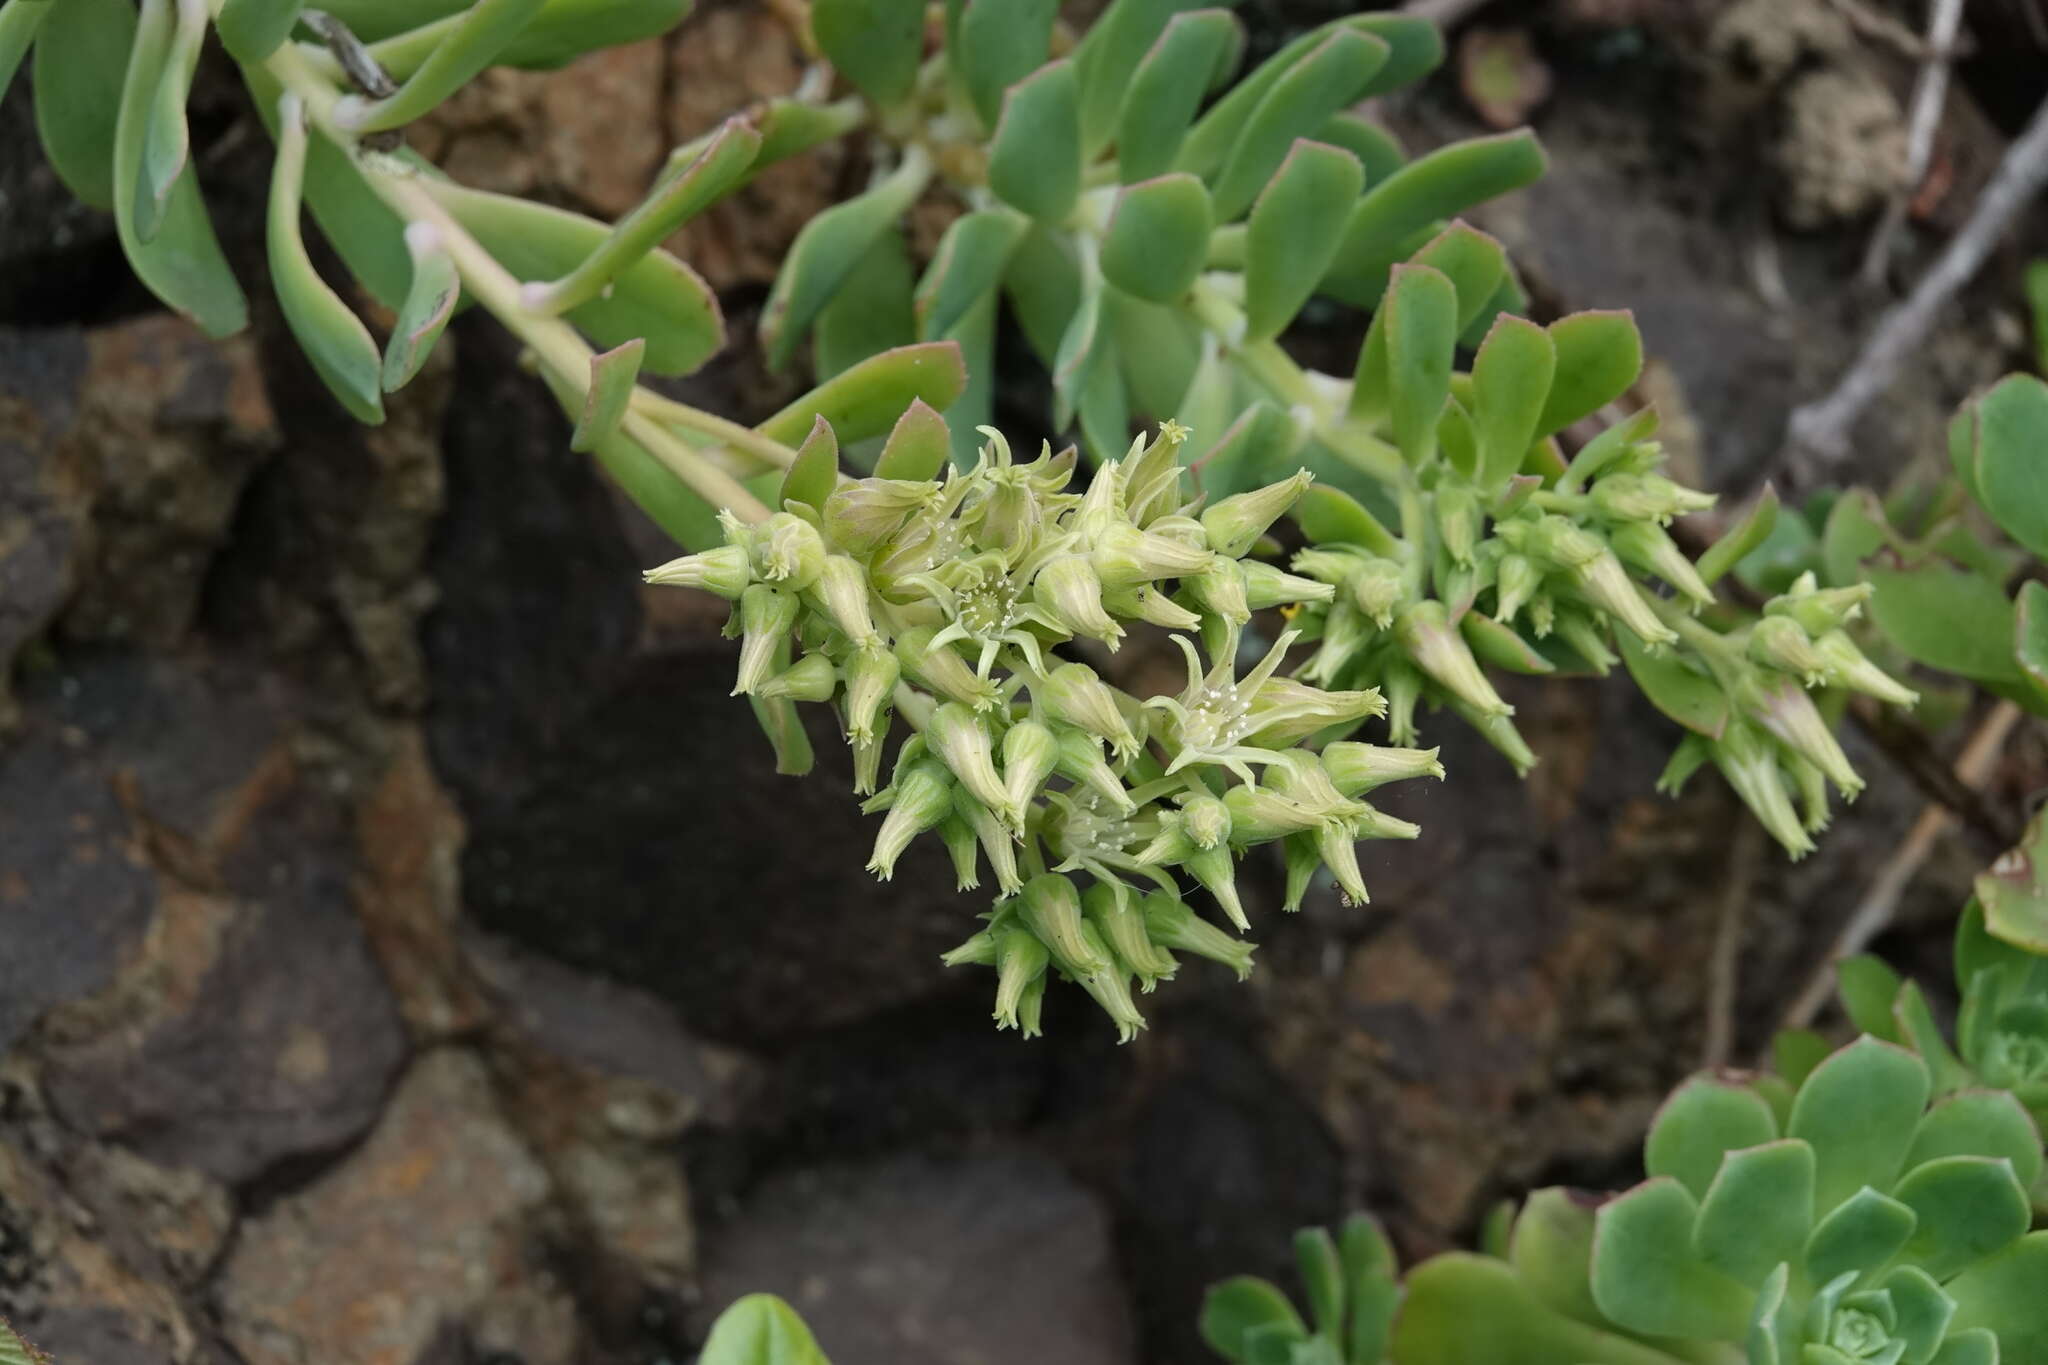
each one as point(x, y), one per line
point(1881, 901)
point(1930, 93)
point(1818, 434)
point(1743, 857)
point(1907, 746)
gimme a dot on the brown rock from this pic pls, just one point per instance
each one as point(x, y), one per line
point(44, 498)
point(429, 1224)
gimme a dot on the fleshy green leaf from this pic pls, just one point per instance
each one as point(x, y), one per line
point(1646, 1276)
point(485, 30)
point(1988, 1123)
point(1498, 645)
point(1237, 1307)
point(333, 338)
point(876, 44)
point(761, 1329)
point(811, 479)
point(670, 503)
point(1158, 237)
point(1043, 283)
point(20, 21)
point(1422, 339)
point(1968, 1207)
point(1551, 1249)
point(871, 313)
point(1329, 76)
point(1795, 1053)
point(1244, 456)
point(919, 446)
point(429, 303)
point(1947, 618)
point(1856, 529)
point(1510, 386)
point(1702, 1120)
point(1034, 158)
point(657, 298)
point(975, 334)
point(80, 59)
point(967, 268)
point(1859, 1233)
point(1156, 347)
point(1322, 1277)
point(2002, 1294)
point(2012, 458)
point(1868, 989)
point(1109, 55)
point(1923, 1311)
point(1437, 186)
point(2030, 640)
point(167, 141)
point(1758, 1211)
point(1330, 516)
point(1465, 1310)
point(1690, 698)
point(1293, 233)
point(1725, 553)
point(868, 399)
point(1371, 1293)
point(2013, 898)
point(1163, 93)
point(1376, 148)
point(1473, 262)
point(253, 29)
point(1081, 351)
point(1000, 42)
point(1599, 354)
point(1859, 1109)
point(613, 376)
point(828, 249)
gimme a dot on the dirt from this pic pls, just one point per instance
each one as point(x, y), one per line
point(413, 959)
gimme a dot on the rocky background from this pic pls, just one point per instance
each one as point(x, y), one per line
point(408, 956)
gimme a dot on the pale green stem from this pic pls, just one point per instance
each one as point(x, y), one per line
point(763, 449)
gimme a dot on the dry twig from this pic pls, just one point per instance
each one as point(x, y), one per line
point(1875, 910)
point(1818, 434)
point(1743, 856)
point(1930, 93)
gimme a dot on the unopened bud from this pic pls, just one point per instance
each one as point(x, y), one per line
point(1784, 710)
point(961, 848)
point(1345, 633)
point(842, 590)
point(766, 617)
point(1217, 872)
point(1645, 498)
point(1356, 768)
point(1186, 530)
point(955, 733)
point(1516, 580)
point(726, 571)
point(1426, 637)
point(1123, 554)
point(1207, 821)
point(1081, 762)
point(789, 552)
point(1812, 786)
point(867, 762)
point(1819, 611)
point(1402, 684)
point(1074, 695)
point(923, 797)
point(1302, 860)
point(1069, 592)
point(1266, 585)
point(1221, 590)
point(942, 669)
point(1553, 541)
point(1020, 967)
point(811, 678)
point(1780, 642)
point(1650, 548)
point(861, 515)
point(995, 837)
point(1144, 602)
point(1235, 524)
point(871, 674)
point(1286, 711)
point(1501, 733)
point(1848, 667)
point(1587, 637)
point(1750, 764)
point(1114, 911)
point(1607, 584)
point(1339, 852)
point(1171, 923)
point(1259, 815)
point(1458, 520)
point(978, 951)
point(1051, 908)
point(1111, 987)
point(1377, 589)
point(1030, 754)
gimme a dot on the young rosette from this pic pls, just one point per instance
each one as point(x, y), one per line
point(947, 601)
point(1351, 1293)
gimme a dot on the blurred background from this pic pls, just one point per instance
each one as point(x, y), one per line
point(409, 957)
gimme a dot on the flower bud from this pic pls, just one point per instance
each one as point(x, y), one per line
point(1020, 965)
point(1552, 541)
point(1819, 611)
point(1115, 913)
point(871, 674)
point(1542, 614)
point(1171, 846)
point(867, 762)
point(1074, 695)
point(788, 551)
point(1607, 584)
point(1144, 602)
point(726, 571)
point(961, 848)
point(1425, 635)
point(978, 951)
point(1377, 589)
point(1515, 581)
point(1812, 786)
point(1171, 923)
point(995, 837)
point(1030, 753)
point(1792, 719)
point(1298, 852)
point(1235, 524)
point(1356, 768)
point(1259, 815)
point(811, 678)
point(1221, 591)
point(1216, 870)
point(1587, 637)
point(1501, 733)
point(1110, 985)
point(1286, 711)
point(1747, 760)
point(955, 733)
point(1458, 520)
point(1186, 530)
point(1339, 852)
point(766, 617)
point(1847, 667)
point(1081, 763)
point(1069, 592)
point(1779, 642)
point(1207, 821)
point(1645, 498)
point(1345, 633)
point(923, 797)
point(1266, 585)
point(842, 590)
point(1649, 548)
point(861, 515)
point(1009, 513)
point(1123, 554)
point(1049, 906)
point(942, 669)
point(1328, 563)
point(1152, 476)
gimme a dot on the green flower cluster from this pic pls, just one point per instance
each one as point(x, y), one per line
point(944, 601)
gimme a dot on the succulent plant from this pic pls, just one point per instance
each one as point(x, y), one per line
point(1351, 1291)
point(942, 601)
